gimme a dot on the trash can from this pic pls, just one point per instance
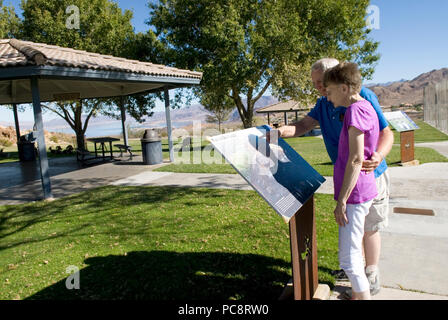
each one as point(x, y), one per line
point(151, 147)
point(26, 149)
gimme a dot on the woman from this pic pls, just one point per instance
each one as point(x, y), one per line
point(354, 189)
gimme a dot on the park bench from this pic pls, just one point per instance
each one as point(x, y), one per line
point(83, 156)
point(124, 148)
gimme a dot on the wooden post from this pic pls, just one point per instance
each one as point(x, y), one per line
point(16, 121)
point(43, 160)
point(286, 119)
point(407, 146)
point(168, 123)
point(302, 230)
point(269, 122)
point(123, 121)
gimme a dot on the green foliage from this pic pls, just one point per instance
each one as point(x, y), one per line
point(220, 107)
point(9, 21)
point(246, 46)
point(103, 28)
point(5, 142)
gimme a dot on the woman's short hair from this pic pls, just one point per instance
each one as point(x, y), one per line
point(344, 73)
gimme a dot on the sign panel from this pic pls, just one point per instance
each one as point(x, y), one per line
point(400, 121)
point(276, 171)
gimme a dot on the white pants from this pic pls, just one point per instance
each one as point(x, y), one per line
point(350, 246)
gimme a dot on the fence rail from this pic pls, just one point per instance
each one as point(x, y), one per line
point(436, 105)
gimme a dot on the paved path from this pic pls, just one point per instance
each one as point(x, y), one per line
point(441, 147)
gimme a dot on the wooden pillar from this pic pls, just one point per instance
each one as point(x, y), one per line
point(297, 116)
point(407, 146)
point(302, 230)
point(16, 120)
point(43, 160)
point(168, 123)
point(269, 122)
point(123, 121)
point(286, 119)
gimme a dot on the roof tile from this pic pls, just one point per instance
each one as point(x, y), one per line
point(15, 52)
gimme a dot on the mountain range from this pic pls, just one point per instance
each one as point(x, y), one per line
point(179, 118)
point(407, 92)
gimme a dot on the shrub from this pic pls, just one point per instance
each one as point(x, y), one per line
point(5, 142)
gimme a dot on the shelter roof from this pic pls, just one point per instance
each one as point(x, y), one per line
point(15, 52)
point(65, 72)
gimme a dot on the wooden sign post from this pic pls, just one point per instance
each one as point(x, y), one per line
point(302, 230)
point(407, 146)
point(406, 126)
point(288, 187)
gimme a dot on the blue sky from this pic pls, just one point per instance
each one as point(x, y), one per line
point(412, 36)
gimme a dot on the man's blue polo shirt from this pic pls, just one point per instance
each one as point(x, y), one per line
point(331, 120)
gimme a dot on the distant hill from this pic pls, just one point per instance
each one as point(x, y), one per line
point(264, 101)
point(407, 92)
point(179, 118)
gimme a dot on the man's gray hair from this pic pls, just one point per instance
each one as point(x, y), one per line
point(324, 64)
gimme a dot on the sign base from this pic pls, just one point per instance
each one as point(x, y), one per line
point(302, 232)
point(323, 292)
point(410, 163)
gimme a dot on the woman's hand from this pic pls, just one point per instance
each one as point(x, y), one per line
point(340, 214)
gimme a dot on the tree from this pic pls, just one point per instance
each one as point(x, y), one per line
point(103, 28)
point(245, 47)
point(220, 108)
point(9, 21)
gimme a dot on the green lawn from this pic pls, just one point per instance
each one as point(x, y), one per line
point(312, 149)
point(426, 133)
point(154, 243)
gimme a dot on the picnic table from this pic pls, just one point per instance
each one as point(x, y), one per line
point(102, 141)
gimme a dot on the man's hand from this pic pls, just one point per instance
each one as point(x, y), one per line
point(272, 136)
point(373, 163)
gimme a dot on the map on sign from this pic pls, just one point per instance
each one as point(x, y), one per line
point(276, 171)
point(400, 121)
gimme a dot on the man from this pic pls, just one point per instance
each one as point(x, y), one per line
point(330, 119)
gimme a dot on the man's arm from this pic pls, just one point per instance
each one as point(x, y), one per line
point(386, 137)
point(298, 129)
point(385, 142)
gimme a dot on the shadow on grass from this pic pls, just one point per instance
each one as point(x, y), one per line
point(164, 275)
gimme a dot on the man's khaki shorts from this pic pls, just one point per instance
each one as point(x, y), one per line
point(377, 219)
